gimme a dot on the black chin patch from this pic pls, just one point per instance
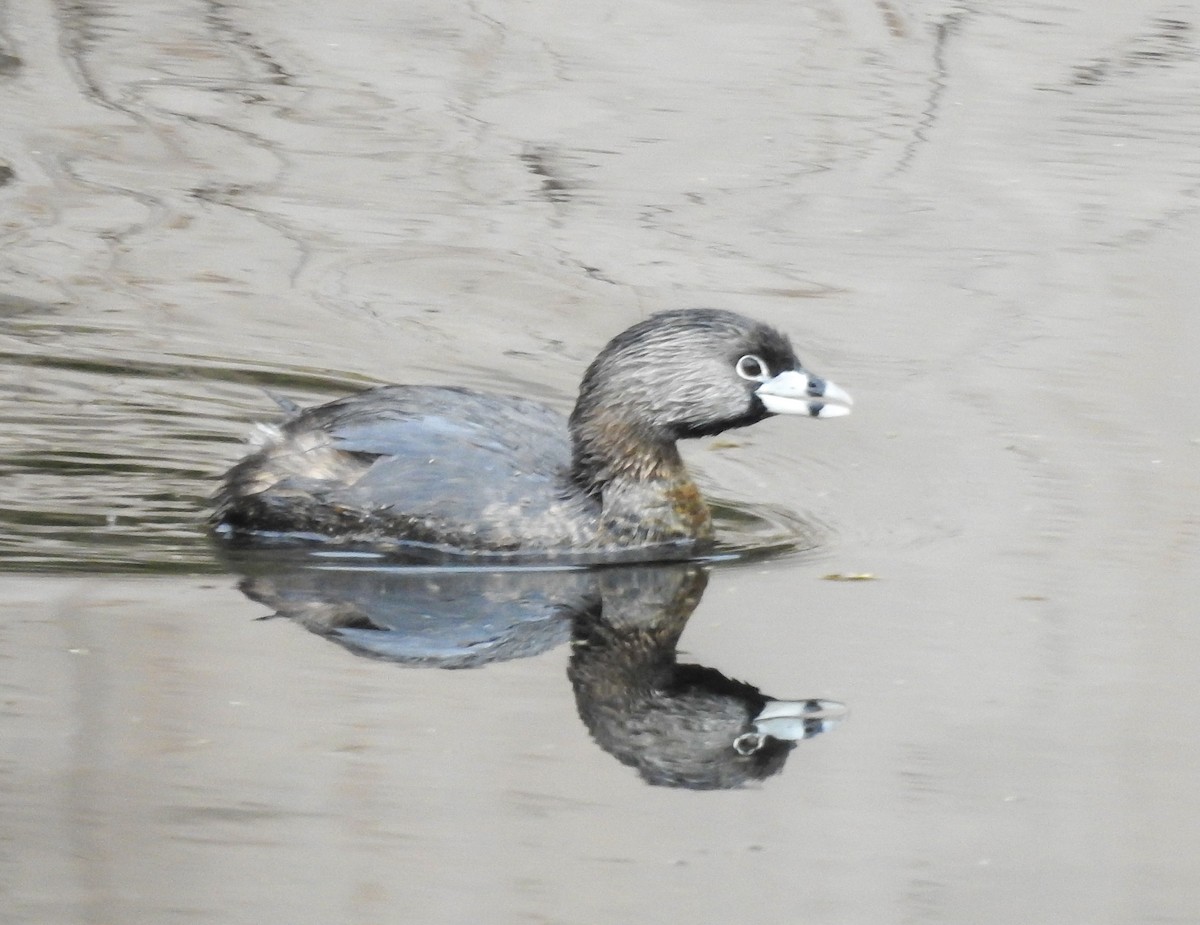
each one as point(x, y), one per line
point(711, 428)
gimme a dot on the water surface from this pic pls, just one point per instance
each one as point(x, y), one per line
point(980, 221)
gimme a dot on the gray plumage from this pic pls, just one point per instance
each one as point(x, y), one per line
point(461, 472)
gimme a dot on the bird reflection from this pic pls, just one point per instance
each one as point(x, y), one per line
point(679, 725)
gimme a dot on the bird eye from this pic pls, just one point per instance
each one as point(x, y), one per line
point(753, 368)
point(748, 743)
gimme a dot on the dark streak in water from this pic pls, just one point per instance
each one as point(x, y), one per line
point(892, 19)
point(218, 17)
point(81, 29)
point(85, 26)
point(939, 79)
point(555, 188)
point(1165, 43)
point(143, 369)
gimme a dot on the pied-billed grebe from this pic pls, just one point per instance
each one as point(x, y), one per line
point(460, 472)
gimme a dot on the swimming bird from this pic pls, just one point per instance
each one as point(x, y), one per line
point(458, 472)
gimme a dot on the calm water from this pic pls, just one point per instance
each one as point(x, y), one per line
point(981, 222)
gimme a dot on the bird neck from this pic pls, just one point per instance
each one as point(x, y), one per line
point(639, 479)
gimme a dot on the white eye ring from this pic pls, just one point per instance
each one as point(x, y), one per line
point(748, 743)
point(753, 368)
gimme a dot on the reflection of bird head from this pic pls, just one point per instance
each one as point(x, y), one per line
point(679, 725)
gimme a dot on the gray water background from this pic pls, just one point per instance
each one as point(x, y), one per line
point(981, 219)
